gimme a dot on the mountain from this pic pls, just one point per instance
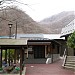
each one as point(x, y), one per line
point(25, 24)
point(55, 23)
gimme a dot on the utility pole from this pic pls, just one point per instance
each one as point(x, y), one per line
point(16, 31)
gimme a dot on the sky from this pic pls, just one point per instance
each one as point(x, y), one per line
point(40, 9)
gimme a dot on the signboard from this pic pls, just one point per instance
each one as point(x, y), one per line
point(30, 49)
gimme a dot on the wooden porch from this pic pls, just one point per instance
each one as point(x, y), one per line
point(19, 46)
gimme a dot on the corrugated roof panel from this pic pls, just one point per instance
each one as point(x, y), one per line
point(13, 41)
point(40, 36)
point(68, 29)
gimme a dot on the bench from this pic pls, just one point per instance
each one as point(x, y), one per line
point(9, 68)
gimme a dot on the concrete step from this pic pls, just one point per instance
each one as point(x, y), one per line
point(70, 56)
point(69, 62)
point(71, 65)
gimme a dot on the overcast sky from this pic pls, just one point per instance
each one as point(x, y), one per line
point(40, 9)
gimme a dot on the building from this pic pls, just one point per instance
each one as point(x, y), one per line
point(43, 46)
point(66, 31)
point(39, 47)
point(18, 46)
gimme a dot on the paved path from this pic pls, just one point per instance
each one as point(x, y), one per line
point(47, 69)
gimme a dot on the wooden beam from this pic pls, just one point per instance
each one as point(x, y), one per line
point(51, 52)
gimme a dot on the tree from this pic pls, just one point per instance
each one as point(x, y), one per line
point(4, 1)
point(11, 53)
point(71, 40)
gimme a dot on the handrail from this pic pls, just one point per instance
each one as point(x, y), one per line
point(64, 52)
point(65, 57)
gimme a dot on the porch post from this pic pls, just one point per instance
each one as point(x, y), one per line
point(45, 50)
point(27, 52)
point(15, 55)
point(21, 62)
point(6, 56)
point(0, 58)
point(52, 53)
point(22, 59)
point(9, 57)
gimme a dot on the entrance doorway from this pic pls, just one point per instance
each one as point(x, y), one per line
point(39, 51)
